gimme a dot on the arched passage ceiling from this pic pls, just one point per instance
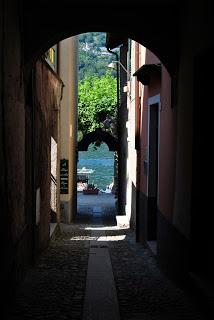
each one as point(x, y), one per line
point(153, 23)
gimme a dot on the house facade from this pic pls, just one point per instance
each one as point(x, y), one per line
point(148, 149)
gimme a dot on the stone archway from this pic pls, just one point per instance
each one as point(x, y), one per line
point(100, 135)
point(156, 35)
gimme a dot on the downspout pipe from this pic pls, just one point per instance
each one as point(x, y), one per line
point(137, 142)
point(118, 85)
point(33, 88)
point(118, 128)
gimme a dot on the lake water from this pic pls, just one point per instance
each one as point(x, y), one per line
point(101, 161)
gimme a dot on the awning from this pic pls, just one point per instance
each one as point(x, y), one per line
point(147, 71)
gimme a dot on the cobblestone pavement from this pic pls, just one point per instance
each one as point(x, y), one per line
point(54, 289)
point(143, 290)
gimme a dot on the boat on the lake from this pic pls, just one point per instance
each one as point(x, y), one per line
point(85, 187)
point(83, 178)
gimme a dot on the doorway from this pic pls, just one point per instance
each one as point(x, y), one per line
point(153, 156)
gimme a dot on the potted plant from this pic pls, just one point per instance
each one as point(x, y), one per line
point(91, 189)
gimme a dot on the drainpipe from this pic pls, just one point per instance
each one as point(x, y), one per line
point(33, 164)
point(73, 122)
point(137, 140)
point(118, 85)
point(118, 129)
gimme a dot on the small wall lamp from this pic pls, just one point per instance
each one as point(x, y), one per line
point(113, 66)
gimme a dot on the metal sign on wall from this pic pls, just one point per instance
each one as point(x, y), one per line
point(64, 176)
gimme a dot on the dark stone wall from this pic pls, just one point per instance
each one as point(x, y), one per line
point(17, 207)
point(202, 217)
point(47, 91)
point(173, 251)
point(14, 121)
point(29, 195)
point(14, 229)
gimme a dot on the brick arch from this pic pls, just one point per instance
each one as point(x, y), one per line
point(100, 135)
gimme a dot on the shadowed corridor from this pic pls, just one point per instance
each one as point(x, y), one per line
point(94, 269)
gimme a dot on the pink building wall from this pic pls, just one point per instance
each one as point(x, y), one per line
point(167, 136)
point(167, 154)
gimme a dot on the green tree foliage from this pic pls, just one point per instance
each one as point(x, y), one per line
point(97, 106)
point(97, 103)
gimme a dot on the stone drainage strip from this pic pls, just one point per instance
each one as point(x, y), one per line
point(101, 301)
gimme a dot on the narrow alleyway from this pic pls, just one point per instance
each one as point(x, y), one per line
point(93, 269)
